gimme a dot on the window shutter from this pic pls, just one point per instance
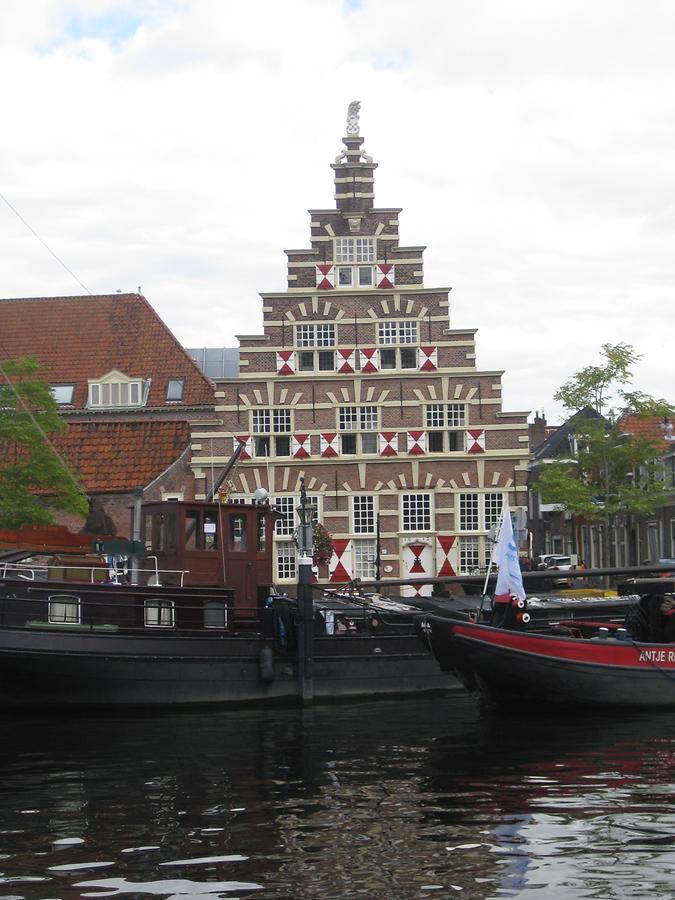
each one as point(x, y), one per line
point(427, 359)
point(285, 362)
point(325, 277)
point(385, 275)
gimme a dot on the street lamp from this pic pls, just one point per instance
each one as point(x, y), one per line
point(305, 599)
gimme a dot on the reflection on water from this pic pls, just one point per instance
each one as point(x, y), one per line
point(399, 799)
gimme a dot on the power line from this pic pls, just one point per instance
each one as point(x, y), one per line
point(33, 231)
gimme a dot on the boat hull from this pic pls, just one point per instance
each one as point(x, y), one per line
point(513, 667)
point(42, 668)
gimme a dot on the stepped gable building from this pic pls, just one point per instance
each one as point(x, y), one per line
point(359, 384)
point(127, 390)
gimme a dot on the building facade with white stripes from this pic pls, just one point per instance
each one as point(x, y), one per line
point(359, 384)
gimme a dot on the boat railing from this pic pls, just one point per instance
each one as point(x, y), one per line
point(94, 574)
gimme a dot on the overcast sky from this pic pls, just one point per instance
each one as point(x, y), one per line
point(178, 144)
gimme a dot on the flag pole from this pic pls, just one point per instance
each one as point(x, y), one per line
point(500, 524)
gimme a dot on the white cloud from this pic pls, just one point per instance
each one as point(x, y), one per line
point(178, 145)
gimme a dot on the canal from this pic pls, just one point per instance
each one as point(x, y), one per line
point(395, 799)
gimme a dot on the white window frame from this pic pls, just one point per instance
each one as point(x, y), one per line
point(158, 612)
point(64, 609)
point(402, 332)
point(469, 553)
point(422, 517)
point(316, 334)
point(364, 555)
point(286, 560)
point(107, 392)
point(364, 517)
point(483, 512)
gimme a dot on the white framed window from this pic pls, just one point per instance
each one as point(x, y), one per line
point(456, 415)
point(286, 505)
point(363, 514)
point(271, 431)
point(64, 609)
point(287, 566)
point(115, 390)
point(260, 421)
point(350, 250)
point(365, 249)
point(401, 332)
point(469, 554)
point(479, 512)
point(435, 415)
point(159, 613)
point(416, 512)
point(468, 512)
point(365, 551)
point(442, 415)
point(493, 508)
point(352, 256)
point(285, 523)
point(348, 418)
point(351, 418)
point(345, 276)
point(281, 420)
point(315, 335)
point(369, 442)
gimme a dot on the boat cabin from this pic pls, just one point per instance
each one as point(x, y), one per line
point(212, 544)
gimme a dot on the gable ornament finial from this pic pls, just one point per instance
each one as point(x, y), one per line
point(353, 117)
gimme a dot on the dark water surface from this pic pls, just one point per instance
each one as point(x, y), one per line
point(401, 799)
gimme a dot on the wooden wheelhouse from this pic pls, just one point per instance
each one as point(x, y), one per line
point(213, 544)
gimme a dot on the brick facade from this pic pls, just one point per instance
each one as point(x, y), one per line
point(359, 384)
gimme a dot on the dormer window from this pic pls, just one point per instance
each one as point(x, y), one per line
point(174, 390)
point(116, 390)
point(63, 393)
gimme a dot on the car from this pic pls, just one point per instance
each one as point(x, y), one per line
point(547, 559)
point(560, 564)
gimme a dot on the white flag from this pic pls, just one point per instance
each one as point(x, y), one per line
point(505, 557)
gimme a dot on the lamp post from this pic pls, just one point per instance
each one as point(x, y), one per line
point(305, 601)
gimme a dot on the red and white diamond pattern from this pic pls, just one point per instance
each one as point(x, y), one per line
point(247, 449)
point(285, 362)
point(340, 567)
point(446, 555)
point(346, 362)
point(330, 444)
point(417, 443)
point(325, 277)
point(301, 446)
point(385, 275)
point(427, 359)
point(369, 360)
point(387, 439)
point(475, 440)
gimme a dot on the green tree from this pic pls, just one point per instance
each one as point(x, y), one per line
point(34, 480)
point(608, 472)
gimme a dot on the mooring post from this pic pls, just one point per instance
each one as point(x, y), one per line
point(305, 600)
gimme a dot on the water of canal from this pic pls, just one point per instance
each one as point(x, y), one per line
point(395, 799)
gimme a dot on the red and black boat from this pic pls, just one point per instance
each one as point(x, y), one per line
point(595, 663)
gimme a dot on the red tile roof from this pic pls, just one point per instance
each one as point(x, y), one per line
point(81, 338)
point(121, 456)
point(649, 428)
